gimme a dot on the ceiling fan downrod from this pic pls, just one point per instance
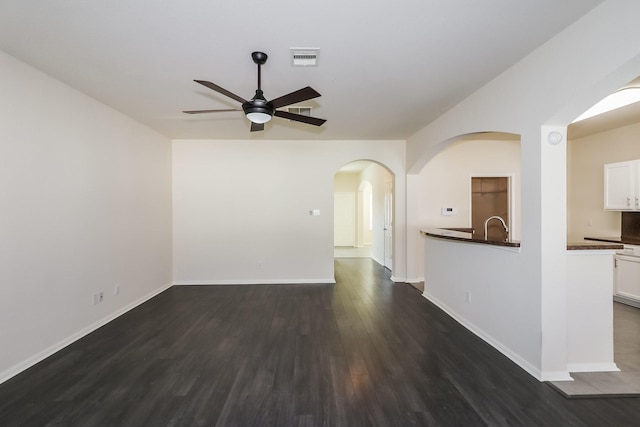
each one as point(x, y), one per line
point(259, 58)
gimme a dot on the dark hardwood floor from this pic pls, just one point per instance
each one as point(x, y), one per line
point(363, 352)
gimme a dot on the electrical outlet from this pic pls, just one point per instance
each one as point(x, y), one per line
point(116, 289)
point(468, 297)
point(96, 299)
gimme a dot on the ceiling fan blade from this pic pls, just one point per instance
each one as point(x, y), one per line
point(294, 97)
point(209, 111)
point(299, 118)
point(221, 90)
point(256, 127)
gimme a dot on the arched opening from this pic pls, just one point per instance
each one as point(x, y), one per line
point(603, 146)
point(472, 178)
point(363, 212)
point(446, 189)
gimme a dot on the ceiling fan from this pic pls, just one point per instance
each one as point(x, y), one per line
point(258, 110)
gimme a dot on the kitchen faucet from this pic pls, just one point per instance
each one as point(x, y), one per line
point(506, 229)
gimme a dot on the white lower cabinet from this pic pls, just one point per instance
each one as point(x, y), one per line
point(627, 283)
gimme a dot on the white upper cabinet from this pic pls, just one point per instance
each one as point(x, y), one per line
point(622, 186)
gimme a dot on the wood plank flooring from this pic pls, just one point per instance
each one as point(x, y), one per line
point(362, 352)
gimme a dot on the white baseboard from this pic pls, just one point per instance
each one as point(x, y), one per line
point(555, 376)
point(379, 261)
point(524, 364)
point(22, 366)
point(253, 282)
point(592, 367)
point(624, 300)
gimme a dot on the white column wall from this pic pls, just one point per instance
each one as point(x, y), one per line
point(590, 311)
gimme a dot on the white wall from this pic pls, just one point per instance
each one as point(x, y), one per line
point(241, 208)
point(586, 159)
point(346, 182)
point(540, 94)
point(493, 305)
point(85, 203)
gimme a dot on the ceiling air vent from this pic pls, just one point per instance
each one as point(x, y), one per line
point(304, 111)
point(304, 57)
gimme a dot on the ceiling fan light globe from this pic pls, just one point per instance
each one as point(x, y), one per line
point(259, 117)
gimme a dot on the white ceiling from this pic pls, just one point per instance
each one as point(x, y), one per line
point(386, 68)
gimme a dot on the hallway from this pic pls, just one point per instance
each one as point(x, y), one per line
point(362, 352)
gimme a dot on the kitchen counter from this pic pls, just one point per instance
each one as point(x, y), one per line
point(462, 236)
point(593, 245)
point(619, 240)
point(587, 244)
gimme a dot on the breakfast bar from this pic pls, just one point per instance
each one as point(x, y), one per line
point(470, 277)
point(468, 236)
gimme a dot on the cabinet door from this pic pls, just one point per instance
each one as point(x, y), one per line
point(619, 180)
point(628, 277)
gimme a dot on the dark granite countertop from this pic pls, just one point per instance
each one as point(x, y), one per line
point(619, 240)
point(587, 244)
point(467, 237)
point(593, 245)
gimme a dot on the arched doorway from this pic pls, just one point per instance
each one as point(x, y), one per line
point(363, 212)
point(608, 138)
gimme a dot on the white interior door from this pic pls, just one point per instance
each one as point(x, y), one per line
point(388, 224)
point(344, 219)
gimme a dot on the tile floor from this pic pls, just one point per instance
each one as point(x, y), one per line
point(626, 383)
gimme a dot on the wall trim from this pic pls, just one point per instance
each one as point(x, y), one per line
point(593, 367)
point(235, 282)
point(524, 364)
point(376, 259)
point(555, 376)
point(624, 300)
point(26, 364)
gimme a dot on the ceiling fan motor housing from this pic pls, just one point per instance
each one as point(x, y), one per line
point(257, 106)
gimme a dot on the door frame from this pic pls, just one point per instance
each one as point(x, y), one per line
point(393, 185)
point(388, 229)
point(511, 206)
